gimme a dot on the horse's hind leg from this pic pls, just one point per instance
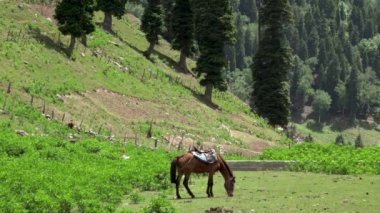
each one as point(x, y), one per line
point(186, 184)
point(210, 183)
point(178, 181)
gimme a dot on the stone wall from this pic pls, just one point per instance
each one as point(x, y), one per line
point(259, 165)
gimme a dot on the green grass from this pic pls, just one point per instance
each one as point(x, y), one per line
point(52, 174)
point(274, 192)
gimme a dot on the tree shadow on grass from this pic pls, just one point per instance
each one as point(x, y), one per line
point(49, 42)
point(166, 59)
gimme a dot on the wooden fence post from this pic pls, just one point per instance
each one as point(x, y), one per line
point(9, 87)
point(142, 77)
point(5, 103)
point(31, 100)
point(43, 108)
point(100, 129)
point(136, 139)
point(63, 117)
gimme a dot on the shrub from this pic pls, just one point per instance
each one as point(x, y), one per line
point(136, 198)
point(159, 205)
point(339, 140)
point(14, 150)
point(359, 142)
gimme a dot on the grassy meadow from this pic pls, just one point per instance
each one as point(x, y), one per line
point(275, 192)
point(110, 86)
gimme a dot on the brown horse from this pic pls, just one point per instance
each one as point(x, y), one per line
point(186, 164)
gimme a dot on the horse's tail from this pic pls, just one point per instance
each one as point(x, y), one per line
point(173, 170)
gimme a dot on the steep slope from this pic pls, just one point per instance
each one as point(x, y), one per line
point(111, 89)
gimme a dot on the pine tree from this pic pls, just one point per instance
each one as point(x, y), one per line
point(152, 23)
point(75, 19)
point(111, 8)
point(339, 140)
point(250, 42)
point(359, 142)
point(240, 42)
point(313, 42)
point(168, 29)
point(353, 93)
point(213, 29)
point(272, 64)
point(183, 31)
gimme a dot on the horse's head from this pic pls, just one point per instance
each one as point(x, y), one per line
point(229, 186)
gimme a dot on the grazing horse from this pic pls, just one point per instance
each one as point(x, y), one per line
point(186, 164)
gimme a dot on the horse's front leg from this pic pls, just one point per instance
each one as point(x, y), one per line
point(210, 183)
point(186, 184)
point(177, 183)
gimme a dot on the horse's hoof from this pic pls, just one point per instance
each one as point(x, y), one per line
point(193, 197)
point(178, 197)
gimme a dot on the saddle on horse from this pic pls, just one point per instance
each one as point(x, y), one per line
point(209, 156)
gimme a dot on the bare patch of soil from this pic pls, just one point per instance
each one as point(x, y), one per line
point(45, 10)
point(121, 106)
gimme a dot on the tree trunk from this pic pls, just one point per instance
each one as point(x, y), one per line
point(208, 92)
point(149, 51)
point(84, 40)
point(107, 22)
point(182, 62)
point(71, 46)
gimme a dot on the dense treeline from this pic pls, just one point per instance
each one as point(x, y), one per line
point(336, 63)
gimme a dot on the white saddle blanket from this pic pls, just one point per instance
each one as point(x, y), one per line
point(207, 157)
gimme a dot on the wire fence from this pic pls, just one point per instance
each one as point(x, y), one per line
point(50, 112)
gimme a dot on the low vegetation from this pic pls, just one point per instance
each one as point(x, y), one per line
point(53, 174)
point(328, 158)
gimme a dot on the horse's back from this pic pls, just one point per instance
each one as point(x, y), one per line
point(187, 163)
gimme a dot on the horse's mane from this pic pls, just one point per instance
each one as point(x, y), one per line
point(226, 165)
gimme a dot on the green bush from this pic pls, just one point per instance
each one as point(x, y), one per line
point(14, 150)
point(159, 205)
point(136, 198)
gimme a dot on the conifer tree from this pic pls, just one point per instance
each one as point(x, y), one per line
point(272, 64)
point(213, 29)
point(339, 140)
point(359, 142)
point(240, 42)
point(74, 19)
point(353, 93)
point(111, 8)
point(183, 31)
point(152, 23)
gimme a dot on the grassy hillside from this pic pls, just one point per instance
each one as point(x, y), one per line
point(111, 87)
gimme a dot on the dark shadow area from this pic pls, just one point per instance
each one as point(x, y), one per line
point(49, 42)
point(169, 61)
point(341, 124)
point(203, 100)
point(195, 198)
point(125, 42)
point(166, 59)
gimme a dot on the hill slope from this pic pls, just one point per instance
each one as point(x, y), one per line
point(111, 89)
